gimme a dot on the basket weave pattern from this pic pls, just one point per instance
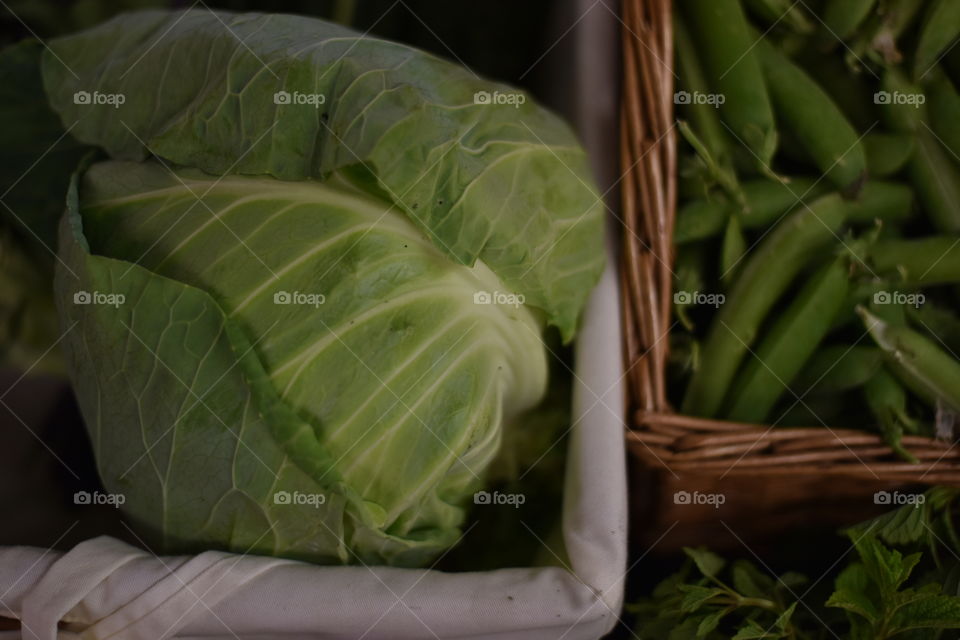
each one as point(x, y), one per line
point(658, 436)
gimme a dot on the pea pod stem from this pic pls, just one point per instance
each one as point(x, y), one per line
point(768, 272)
point(789, 344)
point(919, 362)
point(717, 170)
point(878, 38)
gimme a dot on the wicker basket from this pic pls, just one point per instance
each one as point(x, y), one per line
point(795, 464)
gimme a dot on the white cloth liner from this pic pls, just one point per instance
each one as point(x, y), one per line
point(104, 588)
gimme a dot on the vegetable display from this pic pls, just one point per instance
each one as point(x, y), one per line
point(304, 277)
point(898, 578)
point(818, 228)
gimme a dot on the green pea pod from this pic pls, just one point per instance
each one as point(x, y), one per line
point(843, 17)
point(941, 27)
point(845, 87)
point(887, 308)
point(713, 168)
point(933, 174)
point(941, 324)
point(812, 412)
point(726, 48)
point(689, 271)
point(684, 353)
point(937, 181)
point(700, 218)
point(887, 401)
point(901, 102)
point(889, 202)
point(818, 123)
point(920, 362)
point(769, 270)
point(789, 344)
point(786, 12)
point(838, 368)
point(764, 201)
point(767, 200)
point(733, 249)
point(692, 184)
point(887, 153)
point(703, 115)
point(943, 109)
point(951, 64)
point(924, 261)
point(860, 293)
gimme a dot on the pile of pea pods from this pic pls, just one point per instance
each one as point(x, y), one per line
point(817, 235)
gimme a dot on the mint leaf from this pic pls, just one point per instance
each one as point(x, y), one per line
point(668, 586)
point(695, 596)
point(901, 526)
point(753, 631)
point(710, 622)
point(686, 630)
point(852, 593)
point(928, 612)
point(784, 620)
point(792, 580)
point(750, 581)
point(888, 568)
point(709, 563)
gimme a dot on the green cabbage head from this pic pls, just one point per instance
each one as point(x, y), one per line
point(305, 279)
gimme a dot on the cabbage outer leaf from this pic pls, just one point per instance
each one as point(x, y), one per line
point(505, 183)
